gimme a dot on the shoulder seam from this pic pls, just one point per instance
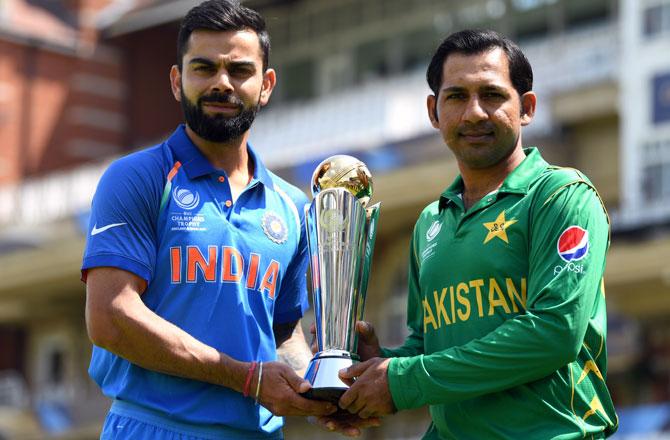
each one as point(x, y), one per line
point(293, 207)
point(578, 181)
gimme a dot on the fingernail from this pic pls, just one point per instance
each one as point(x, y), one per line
point(330, 426)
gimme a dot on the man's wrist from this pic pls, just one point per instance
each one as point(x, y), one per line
point(233, 373)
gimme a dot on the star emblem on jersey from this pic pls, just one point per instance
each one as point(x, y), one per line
point(498, 228)
point(274, 227)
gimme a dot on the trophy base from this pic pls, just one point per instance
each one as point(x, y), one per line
point(322, 374)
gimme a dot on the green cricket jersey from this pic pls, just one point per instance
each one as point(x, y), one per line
point(506, 311)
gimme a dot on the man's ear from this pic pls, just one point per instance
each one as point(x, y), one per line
point(269, 82)
point(175, 82)
point(528, 103)
point(431, 106)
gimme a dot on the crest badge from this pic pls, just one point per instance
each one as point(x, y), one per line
point(274, 227)
point(185, 198)
point(434, 229)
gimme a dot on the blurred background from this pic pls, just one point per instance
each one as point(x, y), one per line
point(85, 81)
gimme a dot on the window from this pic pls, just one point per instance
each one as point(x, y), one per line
point(656, 173)
point(661, 98)
point(526, 5)
point(419, 46)
point(530, 24)
point(657, 20)
point(371, 60)
point(336, 73)
point(296, 81)
point(580, 13)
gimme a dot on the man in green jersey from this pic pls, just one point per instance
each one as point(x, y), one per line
point(506, 306)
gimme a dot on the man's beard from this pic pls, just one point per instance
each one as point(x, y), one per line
point(218, 128)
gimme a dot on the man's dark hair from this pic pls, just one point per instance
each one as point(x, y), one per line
point(222, 15)
point(471, 42)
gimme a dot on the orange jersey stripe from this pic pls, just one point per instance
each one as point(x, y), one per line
point(173, 171)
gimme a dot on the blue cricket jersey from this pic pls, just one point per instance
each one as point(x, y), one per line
point(221, 271)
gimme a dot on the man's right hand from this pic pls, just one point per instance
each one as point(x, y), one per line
point(280, 393)
point(368, 343)
point(349, 425)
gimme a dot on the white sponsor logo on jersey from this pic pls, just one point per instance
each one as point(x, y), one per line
point(96, 230)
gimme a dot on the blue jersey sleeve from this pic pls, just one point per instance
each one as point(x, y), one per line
point(122, 229)
point(292, 301)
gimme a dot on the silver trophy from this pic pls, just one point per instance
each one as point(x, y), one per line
point(341, 236)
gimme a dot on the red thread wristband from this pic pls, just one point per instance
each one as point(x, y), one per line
point(247, 382)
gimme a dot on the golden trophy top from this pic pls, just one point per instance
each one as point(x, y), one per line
point(342, 171)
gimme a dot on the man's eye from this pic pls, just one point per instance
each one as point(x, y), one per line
point(241, 72)
point(454, 96)
point(203, 68)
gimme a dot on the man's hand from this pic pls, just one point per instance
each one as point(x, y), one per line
point(369, 395)
point(349, 425)
point(280, 393)
point(368, 344)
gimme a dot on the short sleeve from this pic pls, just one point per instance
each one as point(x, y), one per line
point(292, 301)
point(122, 228)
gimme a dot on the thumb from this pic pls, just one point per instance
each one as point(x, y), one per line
point(353, 371)
point(366, 331)
point(297, 383)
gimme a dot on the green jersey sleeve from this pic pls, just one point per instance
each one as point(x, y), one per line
point(532, 344)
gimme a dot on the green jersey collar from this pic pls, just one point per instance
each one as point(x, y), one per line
point(517, 181)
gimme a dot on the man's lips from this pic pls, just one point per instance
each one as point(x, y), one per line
point(221, 107)
point(476, 135)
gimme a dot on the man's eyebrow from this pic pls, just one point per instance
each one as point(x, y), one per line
point(241, 63)
point(200, 60)
point(453, 89)
point(493, 87)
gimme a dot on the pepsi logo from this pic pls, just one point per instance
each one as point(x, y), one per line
point(573, 244)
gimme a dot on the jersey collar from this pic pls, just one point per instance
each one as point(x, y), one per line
point(195, 164)
point(518, 181)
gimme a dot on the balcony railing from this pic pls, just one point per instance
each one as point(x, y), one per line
point(394, 109)
point(366, 117)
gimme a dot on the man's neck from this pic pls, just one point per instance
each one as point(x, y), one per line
point(232, 157)
point(477, 183)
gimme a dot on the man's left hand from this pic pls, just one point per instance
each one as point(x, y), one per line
point(369, 394)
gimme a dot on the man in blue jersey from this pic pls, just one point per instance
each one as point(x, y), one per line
point(195, 263)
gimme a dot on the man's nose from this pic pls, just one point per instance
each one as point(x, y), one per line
point(222, 82)
point(474, 111)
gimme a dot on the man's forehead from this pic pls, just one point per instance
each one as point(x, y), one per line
point(230, 44)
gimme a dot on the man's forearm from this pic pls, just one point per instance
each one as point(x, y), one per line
point(295, 352)
point(127, 328)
